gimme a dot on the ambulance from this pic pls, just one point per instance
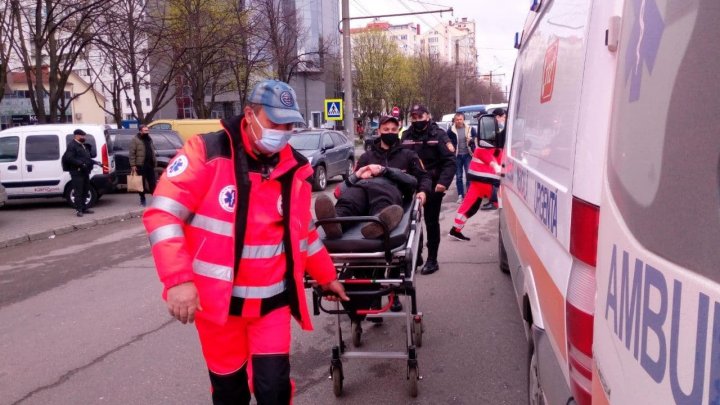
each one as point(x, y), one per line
point(610, 204)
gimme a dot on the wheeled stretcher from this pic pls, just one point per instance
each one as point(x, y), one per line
point(371, 269)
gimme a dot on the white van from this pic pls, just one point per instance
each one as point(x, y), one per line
point(557, 131)
point(30, 161)
point(610, 217)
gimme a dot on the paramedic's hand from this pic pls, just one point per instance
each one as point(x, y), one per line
point(183, 301)
point(337, 288)
point(421, 196)
point(440, 188)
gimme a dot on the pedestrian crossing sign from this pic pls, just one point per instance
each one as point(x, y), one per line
point(333, 109)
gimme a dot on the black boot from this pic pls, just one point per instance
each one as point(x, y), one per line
point(230, 389)
point(431, 266)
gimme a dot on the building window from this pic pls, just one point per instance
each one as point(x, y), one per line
point(403, 36)
point(87, 72)
point(147, 101)
point(432, 39)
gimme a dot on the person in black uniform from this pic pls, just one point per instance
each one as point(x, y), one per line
point(79, 163)
point(438, 155)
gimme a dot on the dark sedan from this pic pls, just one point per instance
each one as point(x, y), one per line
point(167, 143)
point(330, 153)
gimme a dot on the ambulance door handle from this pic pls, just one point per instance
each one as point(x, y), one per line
point(29, 168)
point(13, 167)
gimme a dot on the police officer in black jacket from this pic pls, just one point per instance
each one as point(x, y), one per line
point(438, 155)
point(79, 163)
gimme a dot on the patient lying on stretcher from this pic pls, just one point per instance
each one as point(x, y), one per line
point(385, 176)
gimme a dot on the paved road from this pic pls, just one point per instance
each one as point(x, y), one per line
point(81, 322)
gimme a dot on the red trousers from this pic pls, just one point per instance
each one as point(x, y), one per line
point(261, 343)
point(472, 201)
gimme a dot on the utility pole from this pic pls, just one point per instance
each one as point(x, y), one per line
point(457, 74)
point(347, 70)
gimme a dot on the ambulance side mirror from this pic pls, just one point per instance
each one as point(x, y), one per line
point(487, 128)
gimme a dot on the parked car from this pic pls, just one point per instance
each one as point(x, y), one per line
point(30, 161)
point(167, 144)
point(330, 153)
point(187, 127)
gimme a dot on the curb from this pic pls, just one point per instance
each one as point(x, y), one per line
point(65, 229)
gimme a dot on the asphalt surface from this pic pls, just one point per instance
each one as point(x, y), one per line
point(82, 322)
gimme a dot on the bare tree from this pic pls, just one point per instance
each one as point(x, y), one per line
point(199, 30)
point(51, 36)
point(278, 23)
point(6, 30)
point(133, 53)
point(437, 84)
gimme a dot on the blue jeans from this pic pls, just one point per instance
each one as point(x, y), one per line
point(462, 163)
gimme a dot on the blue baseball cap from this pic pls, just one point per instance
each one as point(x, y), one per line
point(279, 101)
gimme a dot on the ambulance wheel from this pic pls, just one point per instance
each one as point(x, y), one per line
point(504, 266)
point(337, 377)
point(535, 394)
point(417, 330)
point(413, 381)
point(356, 330)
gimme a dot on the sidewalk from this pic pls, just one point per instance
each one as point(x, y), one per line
point(22, 221)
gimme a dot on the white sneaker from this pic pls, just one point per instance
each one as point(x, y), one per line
point(460, 200)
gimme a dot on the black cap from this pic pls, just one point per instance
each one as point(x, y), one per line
point(499, 112)
point(79, 132)
point(387, 118)
point(418, 109)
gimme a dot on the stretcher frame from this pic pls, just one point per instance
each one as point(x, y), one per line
point(402, 262)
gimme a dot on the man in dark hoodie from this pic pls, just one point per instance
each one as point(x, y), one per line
point(386, 175)
point(438, 155)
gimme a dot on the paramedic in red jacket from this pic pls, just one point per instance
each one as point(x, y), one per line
point(231, 234)
point(484, 173)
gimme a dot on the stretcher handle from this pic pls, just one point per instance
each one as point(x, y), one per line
point(391, 299)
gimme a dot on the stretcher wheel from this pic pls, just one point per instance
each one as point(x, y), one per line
point(413, 381)
point(337, 377)
point(356, 330)
point(417, 330)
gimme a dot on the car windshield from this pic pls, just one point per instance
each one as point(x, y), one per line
point(305, 141)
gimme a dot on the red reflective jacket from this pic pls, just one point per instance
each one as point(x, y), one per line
point(481, 166)
point(204, 200)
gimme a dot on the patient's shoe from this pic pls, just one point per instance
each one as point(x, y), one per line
point(324, 209)
point(390, 216)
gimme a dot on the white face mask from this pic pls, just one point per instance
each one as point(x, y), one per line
point(271, 140)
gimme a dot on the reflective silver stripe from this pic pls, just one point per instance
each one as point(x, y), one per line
point(311, 226)
point(303, 245)
point(483, 174)
point(259, 292)
point(213, 225)
point(212, 270)
point(262, 251)
point(476, 160)
point(315, 247)
point(171, 206)
point(165, 232)
point(460, 217)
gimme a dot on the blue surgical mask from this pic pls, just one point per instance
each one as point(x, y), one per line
point(271, 140)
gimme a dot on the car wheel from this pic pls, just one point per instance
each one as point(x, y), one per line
point(90, 198)
point(535, 394)
point(320, 178)
point(350, 169)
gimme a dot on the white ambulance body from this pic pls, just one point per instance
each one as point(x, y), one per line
point(557, 129)
point(657, 318)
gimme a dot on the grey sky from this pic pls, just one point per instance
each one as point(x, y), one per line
point(496, 22)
